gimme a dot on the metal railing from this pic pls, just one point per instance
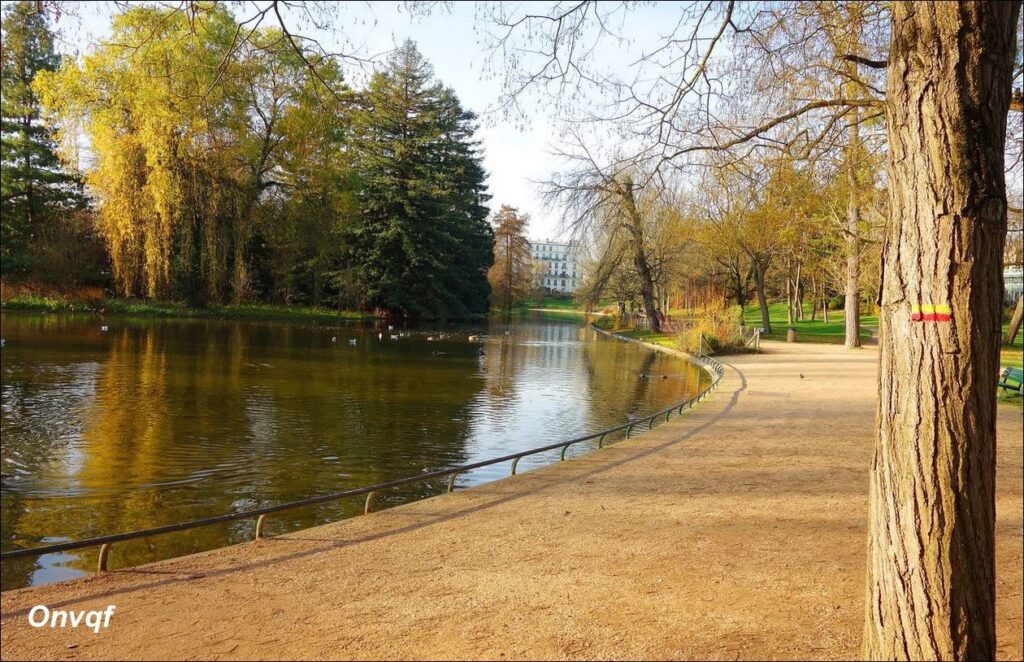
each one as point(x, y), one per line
point(714, 368)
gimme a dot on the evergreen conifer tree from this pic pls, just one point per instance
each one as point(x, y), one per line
point(34, 190)
point(422, 243)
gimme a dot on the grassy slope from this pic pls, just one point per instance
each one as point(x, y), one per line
point(835, 330)
point(1013, 356)
point(806, 330)
point(551, 303)
point(663, 339)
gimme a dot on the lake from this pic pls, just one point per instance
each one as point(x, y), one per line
point(156, 421)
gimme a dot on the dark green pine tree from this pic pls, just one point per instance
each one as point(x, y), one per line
point(422, 243)
point(34, 189)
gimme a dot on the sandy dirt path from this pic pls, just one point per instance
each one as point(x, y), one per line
point(736, 531)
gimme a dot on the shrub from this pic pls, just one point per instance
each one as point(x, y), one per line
point(720, 327)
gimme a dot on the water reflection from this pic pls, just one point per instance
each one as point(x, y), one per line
point(158, 421)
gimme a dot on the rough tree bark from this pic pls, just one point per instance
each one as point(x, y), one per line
point(931, 555)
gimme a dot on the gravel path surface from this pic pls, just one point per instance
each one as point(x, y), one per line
point(736, 531)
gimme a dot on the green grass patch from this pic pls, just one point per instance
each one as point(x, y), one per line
point(144, 308)
point(669, 340)
point(807, 330)
point(1012, 356)
point(551, 303)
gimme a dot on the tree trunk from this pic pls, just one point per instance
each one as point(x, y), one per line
point(760, 269)
point(931, 554)
point(852, 238)
point(647, 291)
point(643, 269)
point(798, 292)
point(508, 272)
point(1018, 314)
point(853, 151)
point(789, 301)
point(814, 296)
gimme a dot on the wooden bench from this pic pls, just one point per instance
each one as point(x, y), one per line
point(1012, 380)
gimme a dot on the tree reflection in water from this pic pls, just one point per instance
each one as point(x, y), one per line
point(160, 421)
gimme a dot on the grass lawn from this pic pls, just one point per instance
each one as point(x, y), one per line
point(1013, 356)
point(806, 330)
point(664, 339)
point(255, 311)
point(551, 303)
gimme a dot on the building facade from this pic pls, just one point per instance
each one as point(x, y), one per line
point(557, 265)
point(1013, 283)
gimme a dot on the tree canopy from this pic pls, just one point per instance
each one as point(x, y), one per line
point(223, 171)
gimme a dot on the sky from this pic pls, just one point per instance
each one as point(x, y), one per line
point(516, 154)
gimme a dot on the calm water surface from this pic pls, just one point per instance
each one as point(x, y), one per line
point(158, 421)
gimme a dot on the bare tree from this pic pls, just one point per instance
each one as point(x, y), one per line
point(612, 203)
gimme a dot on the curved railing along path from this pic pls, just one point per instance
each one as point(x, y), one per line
point(714, 369)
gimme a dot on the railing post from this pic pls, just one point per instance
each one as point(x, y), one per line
point(101, 563)
point(104, 549)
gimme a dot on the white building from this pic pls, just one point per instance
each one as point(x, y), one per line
point(1013, 283)
point(558, 265)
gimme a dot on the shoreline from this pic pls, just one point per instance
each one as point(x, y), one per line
point(735, 531)
point(711, 367)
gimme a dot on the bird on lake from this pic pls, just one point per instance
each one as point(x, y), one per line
point(394, 337)
point(352, 341)
point(104, 328)
point(2, 342)
point(474, 338)
point(334, 338)
point(380, 336)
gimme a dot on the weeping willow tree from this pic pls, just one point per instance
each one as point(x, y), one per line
point(186, 135)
